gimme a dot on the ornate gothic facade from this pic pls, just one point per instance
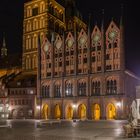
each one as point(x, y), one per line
point(83, 75)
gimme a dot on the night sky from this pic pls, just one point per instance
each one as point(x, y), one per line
point(11, 19)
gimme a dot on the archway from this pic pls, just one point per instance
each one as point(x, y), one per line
point(82, 111)
point(57, 112)
point(69, 113)
point(96, 112)
point(45, 112)
point(21, 113)
point(14, 114)
point(111, 111)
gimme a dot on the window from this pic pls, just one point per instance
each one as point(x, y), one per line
point(98, 48)
point(96, 88)
point(35, 11)
point(82, 89)
point(93, 59)
point(99, 68)
point(85, 60)
point(109, 46)
point(57, 91)
point(69, 89)
point(107, 56)
point(111, 87)
point(45, 91)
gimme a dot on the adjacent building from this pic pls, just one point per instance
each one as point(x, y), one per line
point(45, 17)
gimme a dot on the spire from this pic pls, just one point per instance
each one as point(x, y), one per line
point(3, 49)
point(4, 43)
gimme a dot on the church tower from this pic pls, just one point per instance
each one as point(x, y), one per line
point(41, 17)
point(3, 49)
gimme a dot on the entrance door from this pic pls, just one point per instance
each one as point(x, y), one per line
point(69, 113)
point(96, 112)
point(82, 111)
point(45, 112)
point(57, 112)
point(111, 111)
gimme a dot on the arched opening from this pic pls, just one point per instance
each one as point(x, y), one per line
point(69, 113)
point(57, 112)
point(96, 112)
point(21, 113)
point(14, 114)
point(111, 112)
point(45, 112)
point(82, 112)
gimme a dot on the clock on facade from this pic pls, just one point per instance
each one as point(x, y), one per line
point(112, 35)
point(96, 38)
point(82, 41)
point(58, 44)
point(70, 43)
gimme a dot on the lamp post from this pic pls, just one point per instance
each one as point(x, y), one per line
point(74, 111)
point(118, 104)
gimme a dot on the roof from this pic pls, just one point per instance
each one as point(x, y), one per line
point(22, 81)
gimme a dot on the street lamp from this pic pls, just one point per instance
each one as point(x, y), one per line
point(74, 106)
point(38, 107)
point(74, 111)
point(118, 104)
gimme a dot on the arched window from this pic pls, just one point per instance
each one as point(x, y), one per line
point(69, 89)
point(28, 63)
point(35, 24)
point(42, 7)
point(46, 91)
point(82, 89)
point(28, 26)
point(96, 88)
point(42, 22)
point(111, 87)
point(35, 41)
point(115, 87)
point(57, 91)
point(29, 12)
point(34, 62)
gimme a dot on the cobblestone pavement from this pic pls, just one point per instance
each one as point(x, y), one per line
point(66, 130)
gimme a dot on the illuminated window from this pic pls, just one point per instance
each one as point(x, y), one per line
point(82, 89)
point(111, 87)
point(69, 89)
point(42, 22)
point(96, 88)
point(45, 91)
point(57, 91)
point(35, 41)
point(29, 12)
point(42, 7)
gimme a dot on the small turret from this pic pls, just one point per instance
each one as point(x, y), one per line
point(3, 49)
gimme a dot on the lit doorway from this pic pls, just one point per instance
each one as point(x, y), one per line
point(82, 111)
point(45, 112)
point(96, 112)
point(111, 112)
point(69, 113)
point(57, 112)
